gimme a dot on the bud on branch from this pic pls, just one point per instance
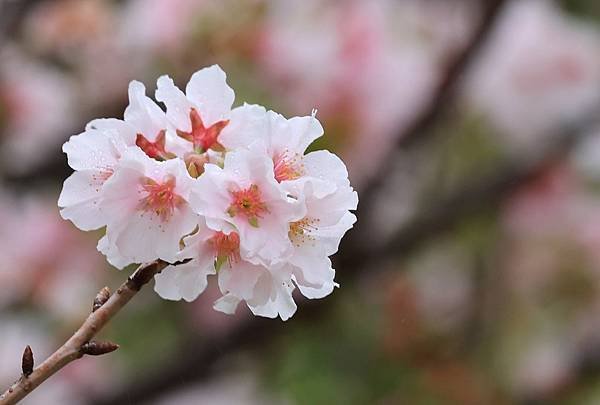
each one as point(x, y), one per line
point(94, 348)
point(27, 361)
point(102, 296)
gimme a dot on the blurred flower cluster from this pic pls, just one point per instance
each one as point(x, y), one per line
point(500, 307)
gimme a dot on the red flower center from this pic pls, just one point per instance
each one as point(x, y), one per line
point(226, 248)
point(160, 198)
point(248, 202)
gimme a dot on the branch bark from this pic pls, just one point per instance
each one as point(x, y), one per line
point(80, 342)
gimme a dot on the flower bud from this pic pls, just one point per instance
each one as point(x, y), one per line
point(195, 163)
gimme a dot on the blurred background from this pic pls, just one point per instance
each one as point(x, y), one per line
point(470, 129)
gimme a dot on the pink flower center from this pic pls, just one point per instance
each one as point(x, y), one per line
point(160, 198)
point(226, 248)
point(155, 150)
point(300, 231)
point(249, 203)
point(287, 166)
point(203, 138)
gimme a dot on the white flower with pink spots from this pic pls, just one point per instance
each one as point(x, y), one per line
point(213, 191)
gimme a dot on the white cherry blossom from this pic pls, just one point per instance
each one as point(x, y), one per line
point(201, 113)
point(94, 156)
point(213, 191)
point(147, 202)
point(206, 248)
point(284, 140)
point(317, 235)
point(266, 291)
point(95, 153)
point(245, 193)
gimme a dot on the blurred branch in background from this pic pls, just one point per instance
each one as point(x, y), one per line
point(12, 13)
point(416, 133)
point(442, 95)
point(482, 193)
point(420, 127)
point(447, 84)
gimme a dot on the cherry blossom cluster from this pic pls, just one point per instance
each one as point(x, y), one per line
point(226, 191)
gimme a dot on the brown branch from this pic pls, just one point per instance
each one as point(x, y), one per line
point(490, 10)
point(416, 131)
point(81, 342)
point(419, 131)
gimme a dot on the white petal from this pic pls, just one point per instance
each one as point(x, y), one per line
point(143, 113)
point(325, 165)
point(147, 237)
point(196, 245)
point(247, 124)
point(209, 195)
point(178, 106)
point(113, 256)
point(314, 276)
point(315, 292)
point(331, 208)
point(245, 165)
point(281, 302)
point(90, 150)
point(324, 174)
point(209, 92)
point(294, 134)
point(286, 307)
point(186, 281)
point(240, 279)
point(177, 145)
point(267, 242)
point(121, 195)
point(118, 130)
point(331, 236)
point(227, 304)
point(81, 200)
point(305, 130)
